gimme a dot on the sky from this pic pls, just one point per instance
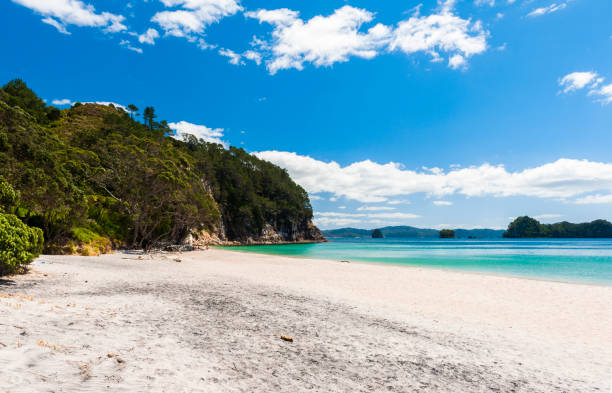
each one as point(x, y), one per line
point(442, 114)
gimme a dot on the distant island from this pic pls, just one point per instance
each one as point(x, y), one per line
point(522, 227)
point(377, 234)
point(447, 234)
point(412, 232)
point(527, 227)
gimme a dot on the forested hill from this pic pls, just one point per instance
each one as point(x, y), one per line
point(92, 177)
point(412, 232)
point(527, 227)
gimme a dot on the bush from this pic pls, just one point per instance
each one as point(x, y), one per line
point(8, 195)
point(90, 243)
point(19, 244)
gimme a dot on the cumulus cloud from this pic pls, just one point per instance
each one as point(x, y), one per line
point(148, 37)
point(547, 10)
point(594, 199)
point(578, 80)
point(194, 16)
point(590, 80)
point(326, 219)
point(212, 135)
point(368, 181)
point(62, 102)
point(605, 93)
point(440, 32)
point(60, 13)
point(322, 40)
point(325, 40)
point(442, 203)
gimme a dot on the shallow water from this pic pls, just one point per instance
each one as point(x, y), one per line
point(573, 260)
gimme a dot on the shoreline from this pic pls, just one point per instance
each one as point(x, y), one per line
point(212, 322)
point(415, 266)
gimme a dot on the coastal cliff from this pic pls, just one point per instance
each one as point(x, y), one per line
point(93, 178)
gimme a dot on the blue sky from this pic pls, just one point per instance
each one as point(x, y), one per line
point(457, 113)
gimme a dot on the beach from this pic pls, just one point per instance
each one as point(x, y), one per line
point(211, 321)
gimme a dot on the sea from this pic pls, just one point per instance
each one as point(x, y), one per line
point(587, 261)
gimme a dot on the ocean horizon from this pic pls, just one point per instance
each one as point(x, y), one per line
point(586, 261)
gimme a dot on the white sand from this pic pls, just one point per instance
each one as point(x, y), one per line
point(212, 323)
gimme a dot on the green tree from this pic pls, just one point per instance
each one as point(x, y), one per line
point(133, 109)
point(19, 244)
point(149, 115)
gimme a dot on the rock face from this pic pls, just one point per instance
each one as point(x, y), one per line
point(305, 233)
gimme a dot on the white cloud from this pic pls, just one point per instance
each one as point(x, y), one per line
point(212, 135)
point(441, 32)
point(398, 202)
point(375, 208)
point(60, 27)
point(368, 181)
point(315, 198)
point(577, 80)
point(590, 80)
point(325, 40)
point(108, 103)
point(253, 56)
point(547, 216)
point(322, 40)
point(605, 92)
point(234, 58)
point(194, 16)
point(148, 37)
point(325, 219)
point(490, 3)
point(457, 61)
point(594, 199)
point(62, 102)
point(547, 10)
point(59, 13)
point(127, 44)
point(442, 203)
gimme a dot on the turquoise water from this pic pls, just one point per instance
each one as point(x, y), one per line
point(580, 260)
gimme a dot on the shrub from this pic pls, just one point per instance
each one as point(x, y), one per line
point(8, 195)
point(90, 243)
point(19, 244)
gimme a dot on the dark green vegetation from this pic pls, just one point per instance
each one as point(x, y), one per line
point(412, 232)
point(527, 227)
point(377, 234)
point(447, 234)
point(19, 243)
point(92, 178)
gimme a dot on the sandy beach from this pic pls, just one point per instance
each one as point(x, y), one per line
point(212, 323)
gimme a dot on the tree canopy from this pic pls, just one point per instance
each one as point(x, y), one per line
point(527, 227)
point(94, 169)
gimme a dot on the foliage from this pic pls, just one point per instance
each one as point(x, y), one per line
point(8, 195)
point(527, 227)
point(447, 234)
point(19, 244)
point(91, 172)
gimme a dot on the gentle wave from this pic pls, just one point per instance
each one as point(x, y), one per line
point(572, 260)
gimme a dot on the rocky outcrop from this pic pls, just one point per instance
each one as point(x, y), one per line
point(306, 233)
